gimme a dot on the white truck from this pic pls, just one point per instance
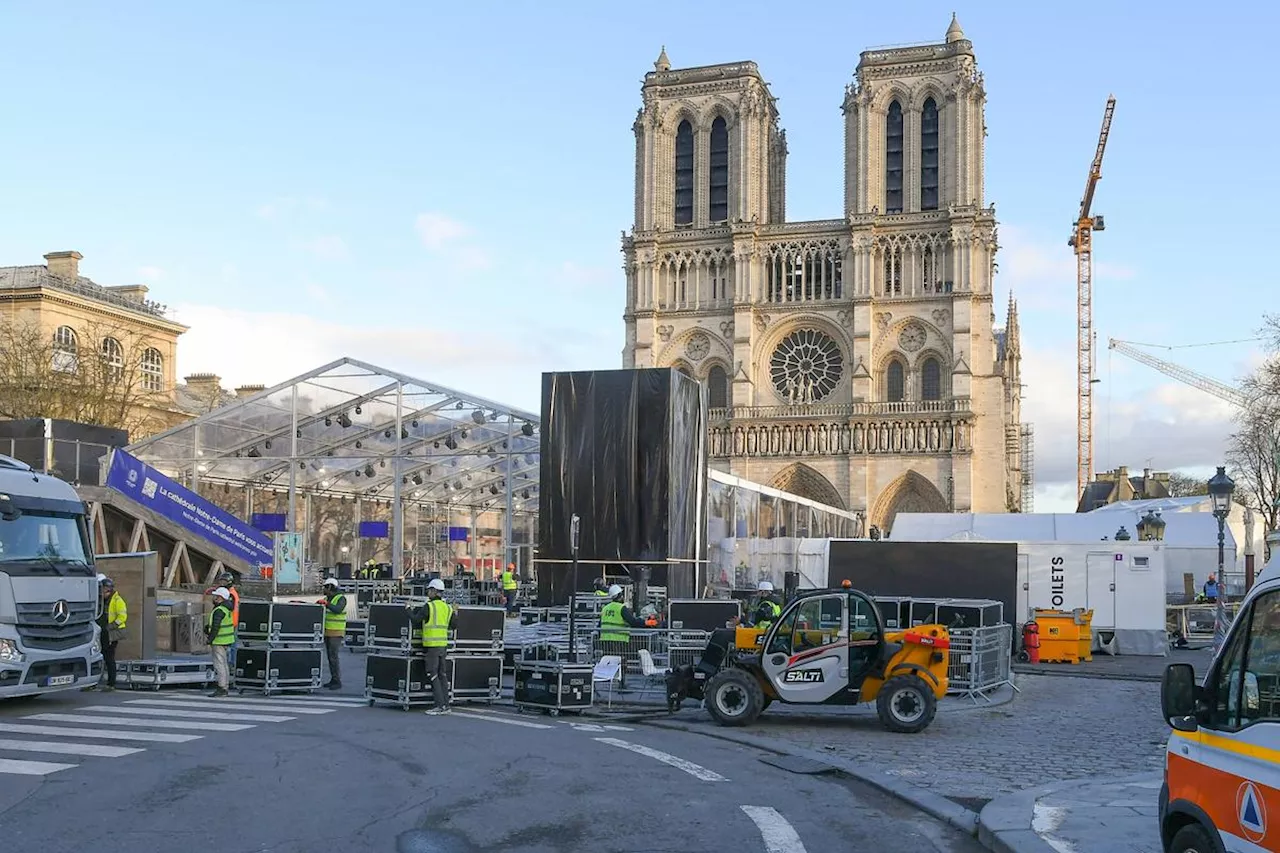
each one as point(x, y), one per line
point(49, 602)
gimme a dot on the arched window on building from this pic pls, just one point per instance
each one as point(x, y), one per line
point(152, 370)
point(893, 159)
point(931, 380)
point(895, 382)
point(113, 357)
point(929, 182)
point(719, 183)
point(717, 388)
point(65, 350)
point(684, 173)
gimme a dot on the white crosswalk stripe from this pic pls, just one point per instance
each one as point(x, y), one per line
point(93, 749)
point(123, 728)
point(295, 708)
point(31, 768)
point(301, 702)
point(100, 720)
point(98, 734)
point(191, 714)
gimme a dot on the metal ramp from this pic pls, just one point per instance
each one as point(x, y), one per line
point(119, 525)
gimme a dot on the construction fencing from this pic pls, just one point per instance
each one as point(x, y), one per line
point(981, 661)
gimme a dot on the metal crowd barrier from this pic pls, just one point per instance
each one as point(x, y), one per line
point(981, 660)
point(1194, 622)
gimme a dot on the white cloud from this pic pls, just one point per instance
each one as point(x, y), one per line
point(329, 247)
point(282, 207)
point(1168, 425)
point(578, 275)
point(438, 231)
point(452, 240)
point(273, 347)
point(1042, 273)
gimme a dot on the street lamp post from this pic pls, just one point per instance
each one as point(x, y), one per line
point(1220, 488)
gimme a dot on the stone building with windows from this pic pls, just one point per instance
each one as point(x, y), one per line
point(854, 361)
point(80, 338)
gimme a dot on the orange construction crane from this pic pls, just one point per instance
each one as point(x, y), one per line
point(1082, 241)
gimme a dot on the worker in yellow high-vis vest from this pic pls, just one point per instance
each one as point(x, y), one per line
point(221, 631)
point(510, 587)
point(437, 618)
point(335, 630)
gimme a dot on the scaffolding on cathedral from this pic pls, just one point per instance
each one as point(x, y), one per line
point(350, 442)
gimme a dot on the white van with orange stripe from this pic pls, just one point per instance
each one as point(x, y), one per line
point(1221, 791)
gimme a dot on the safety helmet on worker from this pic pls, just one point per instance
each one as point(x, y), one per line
point(223, 593)
point(436, 584)
point(227, 579)
point(765, 586)
point(615, 591)
point(333, 582)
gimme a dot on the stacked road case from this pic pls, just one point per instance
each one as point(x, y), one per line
point(396, 670)
point(280, 647)
point(476, 653)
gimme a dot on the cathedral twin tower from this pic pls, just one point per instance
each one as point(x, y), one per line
point(853, 361)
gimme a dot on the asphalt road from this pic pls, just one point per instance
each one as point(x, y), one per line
point(326, 773)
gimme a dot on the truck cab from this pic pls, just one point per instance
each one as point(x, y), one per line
point(1221, 791)
point(49, 599)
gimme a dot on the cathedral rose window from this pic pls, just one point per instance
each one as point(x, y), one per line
point(805, 366)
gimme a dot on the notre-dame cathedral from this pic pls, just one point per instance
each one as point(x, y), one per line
point(855, 361)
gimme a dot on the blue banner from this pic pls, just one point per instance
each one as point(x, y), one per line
point(148, 487)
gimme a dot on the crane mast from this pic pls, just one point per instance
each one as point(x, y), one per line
point(1082, 241)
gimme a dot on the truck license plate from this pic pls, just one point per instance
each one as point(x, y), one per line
point(60, 680)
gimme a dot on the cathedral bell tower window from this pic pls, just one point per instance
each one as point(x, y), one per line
point(719, 183)
point(893, 159)
point(684, 174)
point(929, 156)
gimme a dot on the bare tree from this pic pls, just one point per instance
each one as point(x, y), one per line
point(1254, 453)
point(98, 376)
point(1185, 486)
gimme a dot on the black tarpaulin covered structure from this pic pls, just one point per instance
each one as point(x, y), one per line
point(626, 451)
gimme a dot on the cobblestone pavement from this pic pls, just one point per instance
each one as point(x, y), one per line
point(1056, 729)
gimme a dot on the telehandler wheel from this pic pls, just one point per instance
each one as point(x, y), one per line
point(906, 704)
point(734, 697)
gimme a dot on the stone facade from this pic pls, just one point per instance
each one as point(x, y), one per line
point(115, 325)
point(854, 361)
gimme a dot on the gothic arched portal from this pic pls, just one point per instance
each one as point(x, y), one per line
point(801, 480)
point(909, 493)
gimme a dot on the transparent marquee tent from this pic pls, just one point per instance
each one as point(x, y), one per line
point(362, 436)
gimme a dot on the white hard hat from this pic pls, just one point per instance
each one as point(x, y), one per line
point(330, 581)
point(615, 590)
point(765, 586)
point(101, 577)
point(222, 592)
point(436, 584)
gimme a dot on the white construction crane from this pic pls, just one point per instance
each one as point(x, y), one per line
point(1082, 241)
point(1221, 390)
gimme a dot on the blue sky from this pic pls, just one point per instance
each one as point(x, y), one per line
point(442, 190)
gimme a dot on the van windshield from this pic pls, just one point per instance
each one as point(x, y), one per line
point(43, 543)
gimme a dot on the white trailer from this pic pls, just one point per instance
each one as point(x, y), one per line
point(1123, 583)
